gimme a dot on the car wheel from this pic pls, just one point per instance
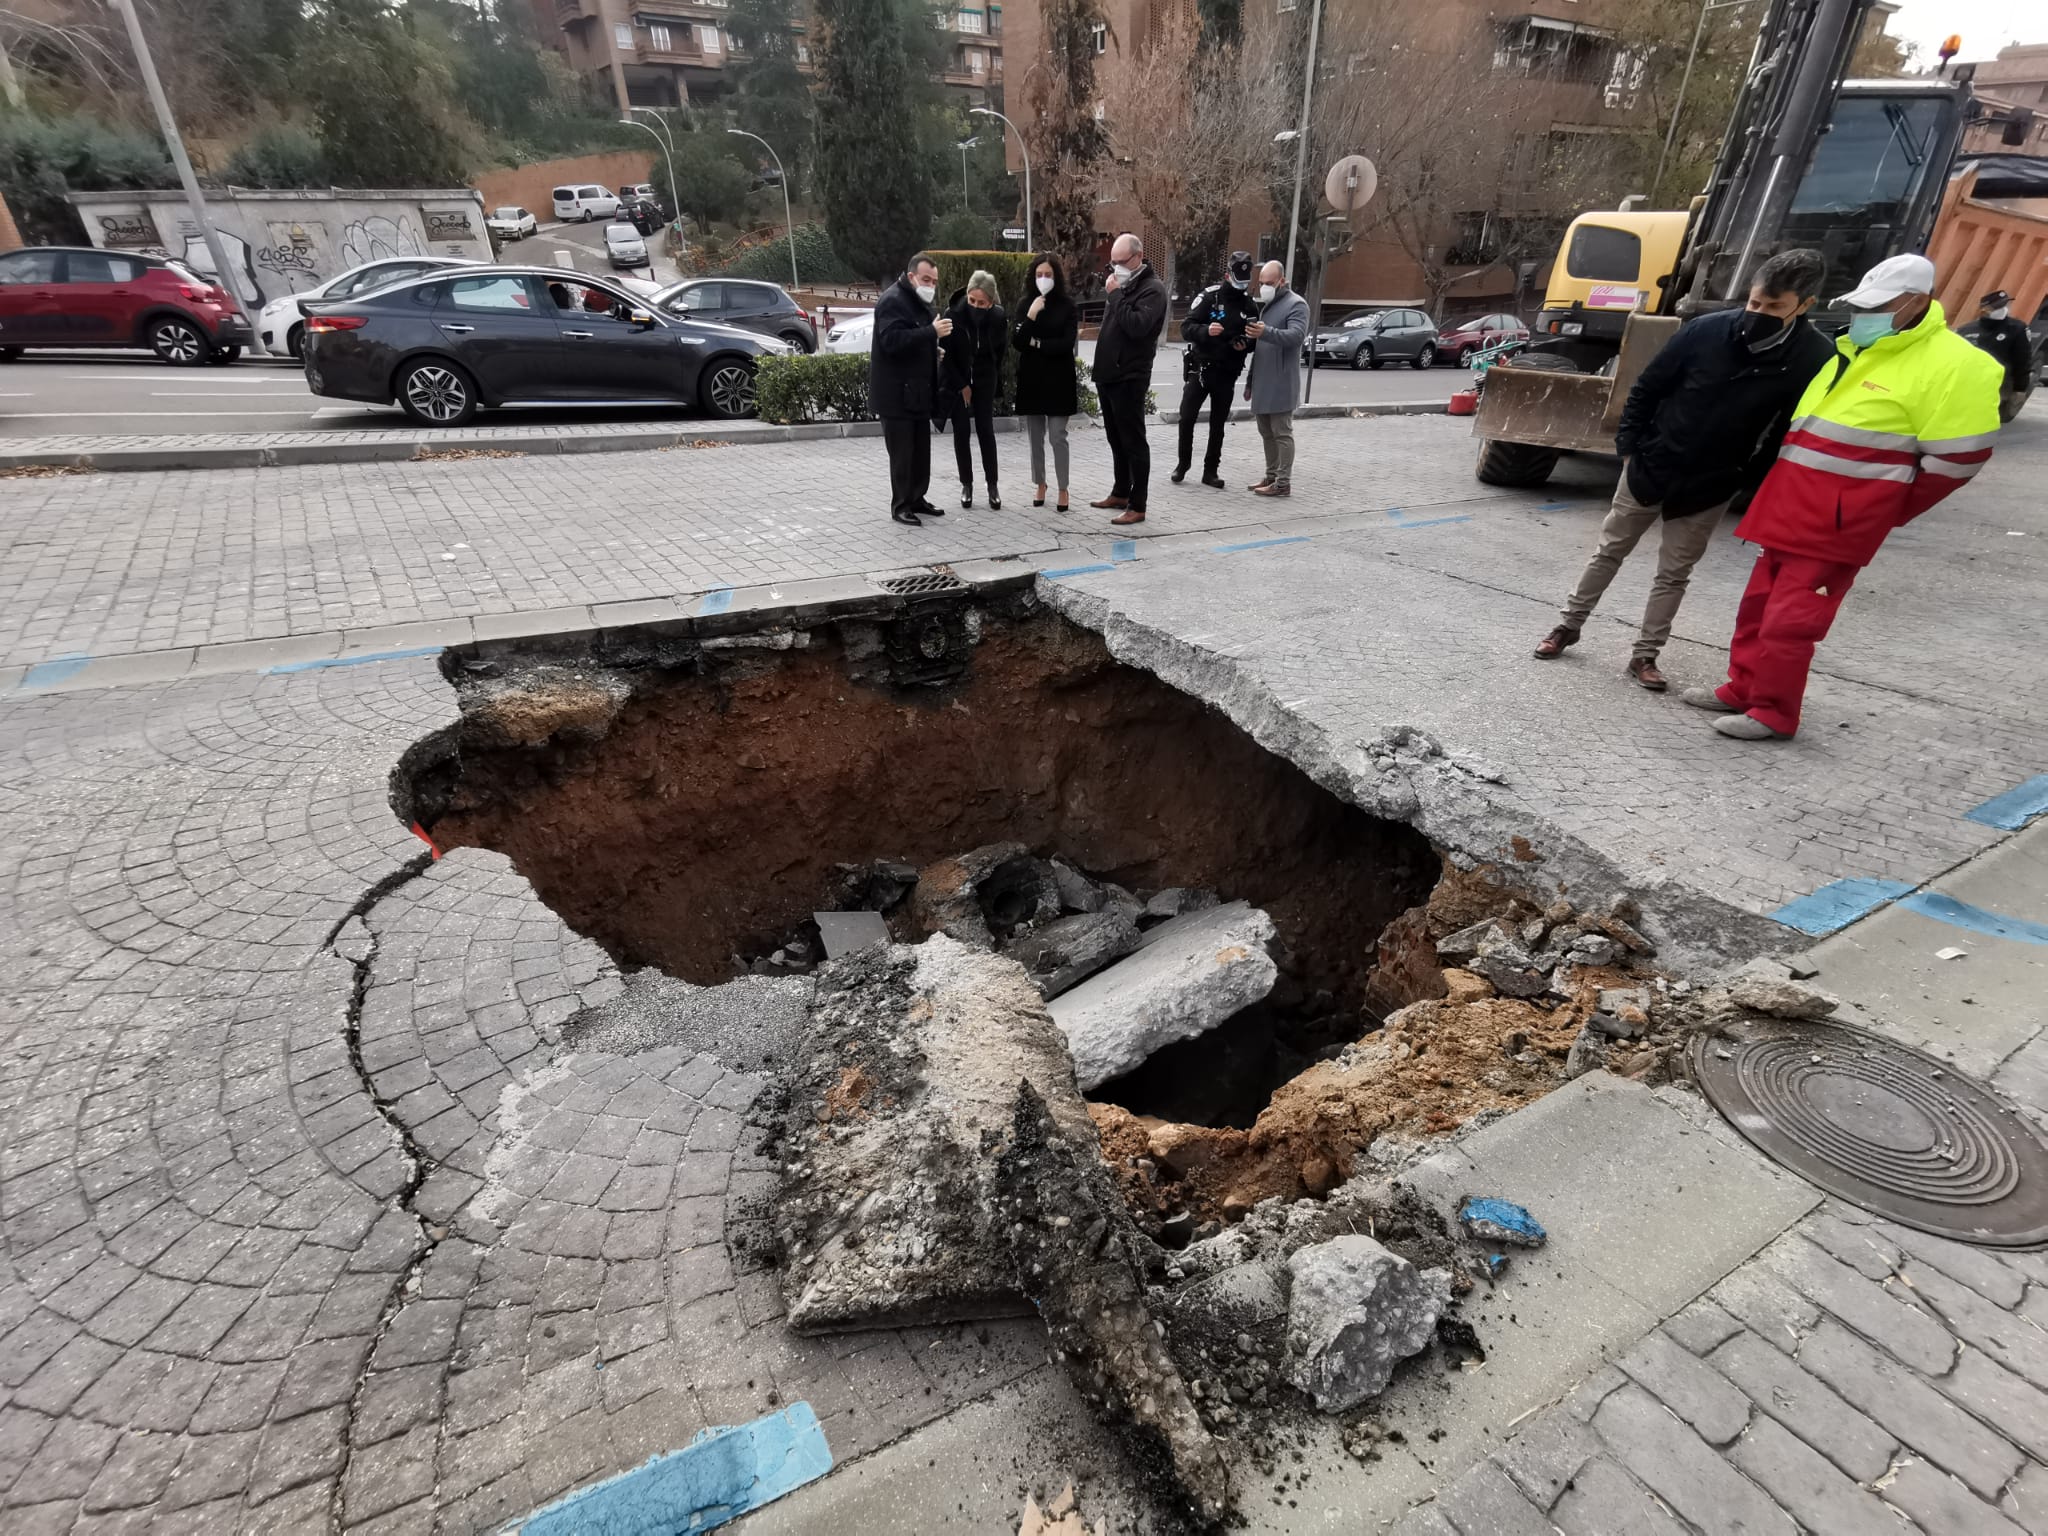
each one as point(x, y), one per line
point(178, 342)
point(435, 393)
point(798, 340)
point(222, 356)
point(1372, 359)
point(295, 341)
point(1426, 358)
point(729, 389)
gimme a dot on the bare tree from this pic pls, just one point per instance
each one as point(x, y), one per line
point(1063, 132)
point(1190, 130)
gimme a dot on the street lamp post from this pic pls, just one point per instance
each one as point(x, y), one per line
point(1685, 80)
point(1023, 150)
point(788, 220)
point(963, 146)
point(668, 138)
point(1300, 134)
point(186, 177)
point(674, 193)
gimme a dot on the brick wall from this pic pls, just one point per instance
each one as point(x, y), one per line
point(532, 186)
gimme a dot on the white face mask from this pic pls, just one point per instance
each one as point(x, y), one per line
point(1999, 313)
point(927, 291)
point(1123, 269)
point(1045, 285)
point(1267, 293)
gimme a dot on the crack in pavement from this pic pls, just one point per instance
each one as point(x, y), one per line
point(417, 1162)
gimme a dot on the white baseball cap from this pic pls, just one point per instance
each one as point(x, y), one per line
point(1890, 278)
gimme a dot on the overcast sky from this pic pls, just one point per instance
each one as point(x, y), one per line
point(1986, 26)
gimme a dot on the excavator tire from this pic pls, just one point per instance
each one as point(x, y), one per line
point(1515, 464)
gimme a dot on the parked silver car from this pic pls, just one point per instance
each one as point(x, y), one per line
point(1376, 336)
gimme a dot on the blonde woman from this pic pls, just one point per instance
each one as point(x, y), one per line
point(970, 374)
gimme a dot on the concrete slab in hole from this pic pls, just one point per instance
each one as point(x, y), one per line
point(969, 1472)
point(845, 932)
point(1886, 964)
point(1647, 1202)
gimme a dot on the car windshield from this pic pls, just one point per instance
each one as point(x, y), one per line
point(1360, 320)
point(506, 213)
point(621, 232)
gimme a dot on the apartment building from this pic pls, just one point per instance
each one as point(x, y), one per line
point(663, 53)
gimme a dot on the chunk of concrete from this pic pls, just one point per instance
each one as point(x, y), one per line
point(1355, 1312)
point(1513, 971)
point(1067, 951)
point(1077, 892)
point(985, 895)
point(845, 932)
point(1176, 901)
point(1595, 949)
point(909, 1076)
point(1782, 999)
point(1462, 946)
point(1191, 974)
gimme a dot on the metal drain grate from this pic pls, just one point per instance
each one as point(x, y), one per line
point(924, 584)
point(1884, 1126)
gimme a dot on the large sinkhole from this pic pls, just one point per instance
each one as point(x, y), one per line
point(689, 804)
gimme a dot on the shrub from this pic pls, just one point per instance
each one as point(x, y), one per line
point(1012, 272)
point(284, 156)
point(817, 262)
point(42, 159)
point(961, 230)
point(824, 386)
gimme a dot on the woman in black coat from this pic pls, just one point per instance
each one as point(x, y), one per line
point(970, 374)
point(1048, 334)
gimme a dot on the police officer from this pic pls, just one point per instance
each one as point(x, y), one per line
point(1216, 354)
point(2007, 340)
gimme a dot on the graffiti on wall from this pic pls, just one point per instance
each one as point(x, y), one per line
point(450, 226)
point(293, 253)
point(374, 238)
point(129, 232)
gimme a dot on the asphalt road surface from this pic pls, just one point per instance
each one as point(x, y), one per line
point(46, 393)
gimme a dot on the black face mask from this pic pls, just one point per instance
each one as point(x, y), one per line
point(1758, 332)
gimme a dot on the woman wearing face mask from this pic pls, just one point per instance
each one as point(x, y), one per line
point(970, 372)
point(1047, 335)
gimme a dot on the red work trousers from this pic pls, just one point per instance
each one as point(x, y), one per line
point(1786, 611)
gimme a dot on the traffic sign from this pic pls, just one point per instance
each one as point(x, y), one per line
point(1351, 184)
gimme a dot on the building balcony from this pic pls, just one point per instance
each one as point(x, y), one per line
point(567, 11)
point(677, 53)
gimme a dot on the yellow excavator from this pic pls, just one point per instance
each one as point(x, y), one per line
point(1856, 169)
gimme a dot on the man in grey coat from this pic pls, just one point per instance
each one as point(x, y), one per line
point(1274, 385)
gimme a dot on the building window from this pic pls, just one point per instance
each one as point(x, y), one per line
point(1561, 50)
point(710, 40)
point(658, 38)
point(1289, 5)
point(995, 21)
point(1100, 32)
point(977, 61)
point(622, 34)
point(1624, 81)
point(803, 53)
point(970, 21)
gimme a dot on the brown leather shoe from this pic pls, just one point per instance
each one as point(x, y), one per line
point(1258, 485)
point(1271, 490)
point(1644, 670)
point(1554, 643)
point(1128, 517)
point(1111, 502)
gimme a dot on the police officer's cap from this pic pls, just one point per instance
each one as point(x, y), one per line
point(1241, 264)
point(1995, 300)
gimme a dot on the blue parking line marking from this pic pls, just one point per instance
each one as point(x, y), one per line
point(1960, 914)
point(716, 601)
point(2016, 807)
point(1124, 549)
point(1838, 904)
point(1398, 516)
point(365, 659)
point(726, 1472)
point(1231, 549)
point(1076, 570)
point(1552, 506)
point(59, 669)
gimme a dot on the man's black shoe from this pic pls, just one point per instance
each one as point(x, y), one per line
point(1210, 477)
point(1180, 473)
point(907, 517)
point(928, 510)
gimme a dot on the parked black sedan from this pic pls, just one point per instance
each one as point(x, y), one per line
point(447, 344)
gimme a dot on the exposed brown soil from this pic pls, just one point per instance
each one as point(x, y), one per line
point(702, 816)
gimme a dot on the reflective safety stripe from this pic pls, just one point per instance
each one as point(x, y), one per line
point(1955, 469)
point(1854, 469)
point(1960, 444)
point(1856, 437)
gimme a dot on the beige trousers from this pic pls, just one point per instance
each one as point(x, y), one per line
point(1682, 542)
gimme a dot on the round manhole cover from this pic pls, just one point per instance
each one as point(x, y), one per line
point(1884, 1126)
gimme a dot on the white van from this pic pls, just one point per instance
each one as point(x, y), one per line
point(579, 205)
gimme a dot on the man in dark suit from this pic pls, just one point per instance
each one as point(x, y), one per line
point(903, 370)
point(1124, 349)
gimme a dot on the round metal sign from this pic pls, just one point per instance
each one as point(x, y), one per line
point(1351, 184)
point(1884, 1126)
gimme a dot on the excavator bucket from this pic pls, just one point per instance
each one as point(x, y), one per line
point(1551, 407)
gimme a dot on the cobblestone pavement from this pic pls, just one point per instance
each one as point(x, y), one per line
point(1854, 1378)
point(310, 1221)
point(106, 565)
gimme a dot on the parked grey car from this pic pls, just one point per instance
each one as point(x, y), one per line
point(1377, 336)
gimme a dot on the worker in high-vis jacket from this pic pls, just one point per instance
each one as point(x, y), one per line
point(1904, 415)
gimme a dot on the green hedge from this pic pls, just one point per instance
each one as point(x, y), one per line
point(1012, 272)
point(828, 386)
point(817, 262)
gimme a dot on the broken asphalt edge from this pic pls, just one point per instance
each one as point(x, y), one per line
point(268, 450)
point(1407, 775)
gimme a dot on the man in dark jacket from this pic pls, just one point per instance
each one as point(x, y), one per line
point(1699, 431)
point(1124, 349)
point(903, 371)
point(1215, 356)
point(2007, 340)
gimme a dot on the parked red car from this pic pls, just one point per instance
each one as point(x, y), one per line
point(1456, 344)
point(76, 296)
